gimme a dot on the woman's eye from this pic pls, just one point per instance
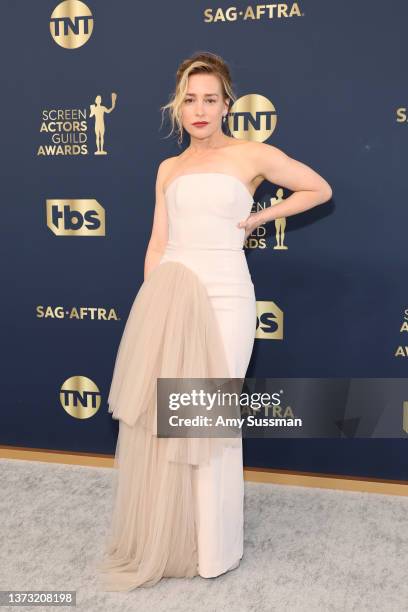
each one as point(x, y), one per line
point(190, 100)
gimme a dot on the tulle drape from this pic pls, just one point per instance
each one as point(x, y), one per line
point(171, 332)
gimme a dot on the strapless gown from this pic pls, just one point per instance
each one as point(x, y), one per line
point(178, 503)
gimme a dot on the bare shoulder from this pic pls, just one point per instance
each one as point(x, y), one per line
point(252, 151)
point(166, 164)
point(250, 157)
point(261, 157)
point(164, 170)
point(258, 151)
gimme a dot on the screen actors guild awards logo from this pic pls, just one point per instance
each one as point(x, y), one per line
point(280, 222)
point(98, 111)
point(402, 349)
point(69, 129)
point(258, 238)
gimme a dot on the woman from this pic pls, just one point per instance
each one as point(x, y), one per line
point(179, 503)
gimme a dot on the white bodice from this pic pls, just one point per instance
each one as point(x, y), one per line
point(204, 209)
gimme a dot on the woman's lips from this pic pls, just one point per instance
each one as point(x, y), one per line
point(200, 123)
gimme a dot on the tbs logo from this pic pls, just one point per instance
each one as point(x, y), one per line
point(75, 217)
point(269, 321)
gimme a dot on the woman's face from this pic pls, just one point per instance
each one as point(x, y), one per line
point(203, 102)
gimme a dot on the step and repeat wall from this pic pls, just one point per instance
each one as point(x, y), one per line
point(82, 86)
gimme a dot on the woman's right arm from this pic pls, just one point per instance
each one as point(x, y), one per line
point(159, 235)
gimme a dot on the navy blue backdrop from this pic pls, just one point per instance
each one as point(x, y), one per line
point(334, 72)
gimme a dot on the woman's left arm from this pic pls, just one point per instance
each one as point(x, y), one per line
point(308, 187)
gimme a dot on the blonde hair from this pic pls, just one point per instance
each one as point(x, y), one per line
point(200, 62)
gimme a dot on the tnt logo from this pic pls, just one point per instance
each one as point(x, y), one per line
point(75, 217)
point(71, 24)
point(80, 397)
point(252, 117)
point(269, 321)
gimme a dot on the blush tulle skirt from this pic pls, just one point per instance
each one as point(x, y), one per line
point(178, 502)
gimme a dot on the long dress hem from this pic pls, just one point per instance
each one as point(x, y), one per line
point(171, 332)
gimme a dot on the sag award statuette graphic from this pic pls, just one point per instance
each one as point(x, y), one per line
point(280, 222)
point(98, 111)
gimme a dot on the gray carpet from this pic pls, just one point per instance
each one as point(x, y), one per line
point(305, 549)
